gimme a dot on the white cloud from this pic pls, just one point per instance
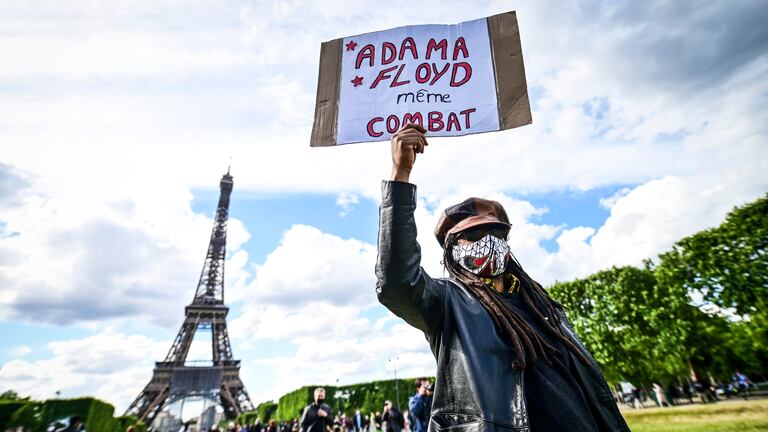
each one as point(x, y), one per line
point(311, 295)
point(349, 351)
point(310, 265)
point(111, 112)
point(644, 221)
point(109, 365)
point(82, 253)
point(295, 322)
point(347, 201)
point(183, 61)
point(331, 338)
point(608, 202)
point(20, 351)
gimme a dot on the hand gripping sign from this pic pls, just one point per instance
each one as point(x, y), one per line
point(451, 79)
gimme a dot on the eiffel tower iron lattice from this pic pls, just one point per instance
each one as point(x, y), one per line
point(174, 379)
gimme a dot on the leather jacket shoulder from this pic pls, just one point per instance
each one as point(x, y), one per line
point(478, 384)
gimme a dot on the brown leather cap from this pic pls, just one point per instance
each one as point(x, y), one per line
point(470, 213)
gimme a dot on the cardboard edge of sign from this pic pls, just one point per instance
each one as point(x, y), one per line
point(506, 52)
point(327, 100)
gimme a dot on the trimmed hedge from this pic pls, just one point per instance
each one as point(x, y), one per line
point(291, 405)
point(368, 397)
point(266, 411)
point(27, 416)
point(97, 415)
point(123, 422)
point(247, 418)
point(7, 409)
point(36, 416)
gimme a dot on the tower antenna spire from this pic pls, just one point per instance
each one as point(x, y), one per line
point(230, 165)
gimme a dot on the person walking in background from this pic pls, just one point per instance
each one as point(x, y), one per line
point(673, 391)
point(688, 390)
point(420, 406)
point(743, 383)
point(317, 416)
point(661, 399)
point(348, 426)
point(393, 420)
point(706, 391)
point(637, 398)
point(358, 421)
point(75, 425)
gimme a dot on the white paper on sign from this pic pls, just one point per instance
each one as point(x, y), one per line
point(440, 76)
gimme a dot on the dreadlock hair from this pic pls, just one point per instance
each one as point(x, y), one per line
point(526, 342)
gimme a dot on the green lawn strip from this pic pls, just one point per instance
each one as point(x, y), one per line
point(710, 427)
point(722, 417)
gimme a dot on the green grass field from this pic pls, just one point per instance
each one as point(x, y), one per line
point(727, 416)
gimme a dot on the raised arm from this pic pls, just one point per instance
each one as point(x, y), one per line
point(402, 285)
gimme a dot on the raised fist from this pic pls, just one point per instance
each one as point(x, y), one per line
point(406, 143)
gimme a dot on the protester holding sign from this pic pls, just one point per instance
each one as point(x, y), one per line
point(507, 358)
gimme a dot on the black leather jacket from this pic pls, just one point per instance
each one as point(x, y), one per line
point(478, 386)
point(311, 422)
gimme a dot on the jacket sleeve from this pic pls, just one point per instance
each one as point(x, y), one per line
point(416, 406)
point(329, 417)
point(402, 285)
point(308, 417)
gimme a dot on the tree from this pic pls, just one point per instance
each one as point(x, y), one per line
point(725, 270)
point(12, 395)
point(728, 264)
point(632, 326)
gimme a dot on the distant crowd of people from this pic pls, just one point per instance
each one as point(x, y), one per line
point(319, 417)
point(701, 390)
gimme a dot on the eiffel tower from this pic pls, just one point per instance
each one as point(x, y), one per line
point(173, 379)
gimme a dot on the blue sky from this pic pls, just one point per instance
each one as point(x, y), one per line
point(267, 216)
point(117, 120)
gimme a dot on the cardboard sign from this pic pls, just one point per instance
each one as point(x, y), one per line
point(451, 79)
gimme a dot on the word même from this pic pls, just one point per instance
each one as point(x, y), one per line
point(436, 122)
point(424, 96)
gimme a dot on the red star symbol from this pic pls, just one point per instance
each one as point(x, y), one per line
point(351, 46)
point(357, 81)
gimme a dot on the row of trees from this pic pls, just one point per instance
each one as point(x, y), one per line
point(699, 308)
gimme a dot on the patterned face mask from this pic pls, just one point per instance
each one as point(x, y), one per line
point(485, 257)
